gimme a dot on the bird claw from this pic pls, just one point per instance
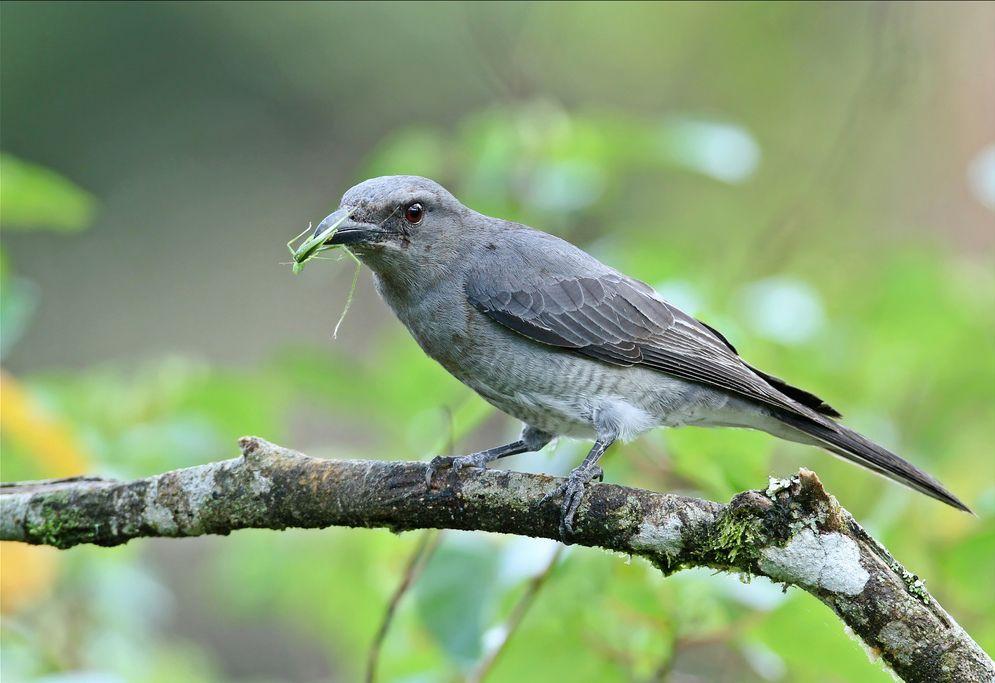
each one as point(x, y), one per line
point(453, 462)
point(572, 491)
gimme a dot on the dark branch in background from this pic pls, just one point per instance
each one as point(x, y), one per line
point(793, 532)
point(426, 547)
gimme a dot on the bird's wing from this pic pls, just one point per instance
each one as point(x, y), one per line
point(621, 321)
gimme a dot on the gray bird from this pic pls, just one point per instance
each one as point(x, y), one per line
point(550, 335)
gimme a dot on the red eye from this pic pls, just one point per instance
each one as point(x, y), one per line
point(413, 214)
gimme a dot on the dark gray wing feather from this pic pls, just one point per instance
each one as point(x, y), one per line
point(621, 321)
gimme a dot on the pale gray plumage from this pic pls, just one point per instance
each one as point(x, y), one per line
point(552, 336)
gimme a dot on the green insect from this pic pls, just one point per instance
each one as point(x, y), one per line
point(315, 245)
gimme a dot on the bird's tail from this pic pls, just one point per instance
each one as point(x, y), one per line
point(861, 450)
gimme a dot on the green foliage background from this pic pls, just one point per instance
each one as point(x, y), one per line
point(808, 178)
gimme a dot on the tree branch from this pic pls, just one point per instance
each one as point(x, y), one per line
point(793, 532)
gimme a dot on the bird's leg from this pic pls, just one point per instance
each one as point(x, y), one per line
point(480, 459)
point(573, 488)
point(532, 440)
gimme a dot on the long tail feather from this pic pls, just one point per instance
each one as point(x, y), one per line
point(856, 448)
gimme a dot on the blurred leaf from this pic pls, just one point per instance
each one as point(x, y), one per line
point(18, 299)
point(49, 448)
point(782, 309)
point(722, 151)
point(26, 573)
point(720, 461)
point(537, 162)
point(34, 198)
point(50, 443)
point(454, 595)
point(821, 651)
point(968, 573)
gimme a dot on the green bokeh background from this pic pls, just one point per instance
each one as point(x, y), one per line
point(816, 180)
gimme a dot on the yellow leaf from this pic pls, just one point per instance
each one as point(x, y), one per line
point(27, 572)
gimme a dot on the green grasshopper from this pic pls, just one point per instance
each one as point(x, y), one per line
point(315, 245)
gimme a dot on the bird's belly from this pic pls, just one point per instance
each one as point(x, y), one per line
point(561, 392)
point(560, 415)
point(557, 390)
point(547, 393)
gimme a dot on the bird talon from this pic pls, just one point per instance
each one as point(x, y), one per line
point(454, 463)
point(572, 491)
point(559, 490)
point(435, 464)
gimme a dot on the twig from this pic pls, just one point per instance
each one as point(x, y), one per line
point(427, 545)
point(518, 613)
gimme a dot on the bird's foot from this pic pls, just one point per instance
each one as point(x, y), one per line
point(572, 491)
point(455, 463)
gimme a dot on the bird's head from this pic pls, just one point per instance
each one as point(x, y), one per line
point(400, 224)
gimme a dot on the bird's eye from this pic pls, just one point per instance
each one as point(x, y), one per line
point(413, 214)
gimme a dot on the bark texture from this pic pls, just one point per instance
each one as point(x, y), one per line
point(793, 531)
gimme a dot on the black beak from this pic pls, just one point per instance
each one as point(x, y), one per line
point(349, 231)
